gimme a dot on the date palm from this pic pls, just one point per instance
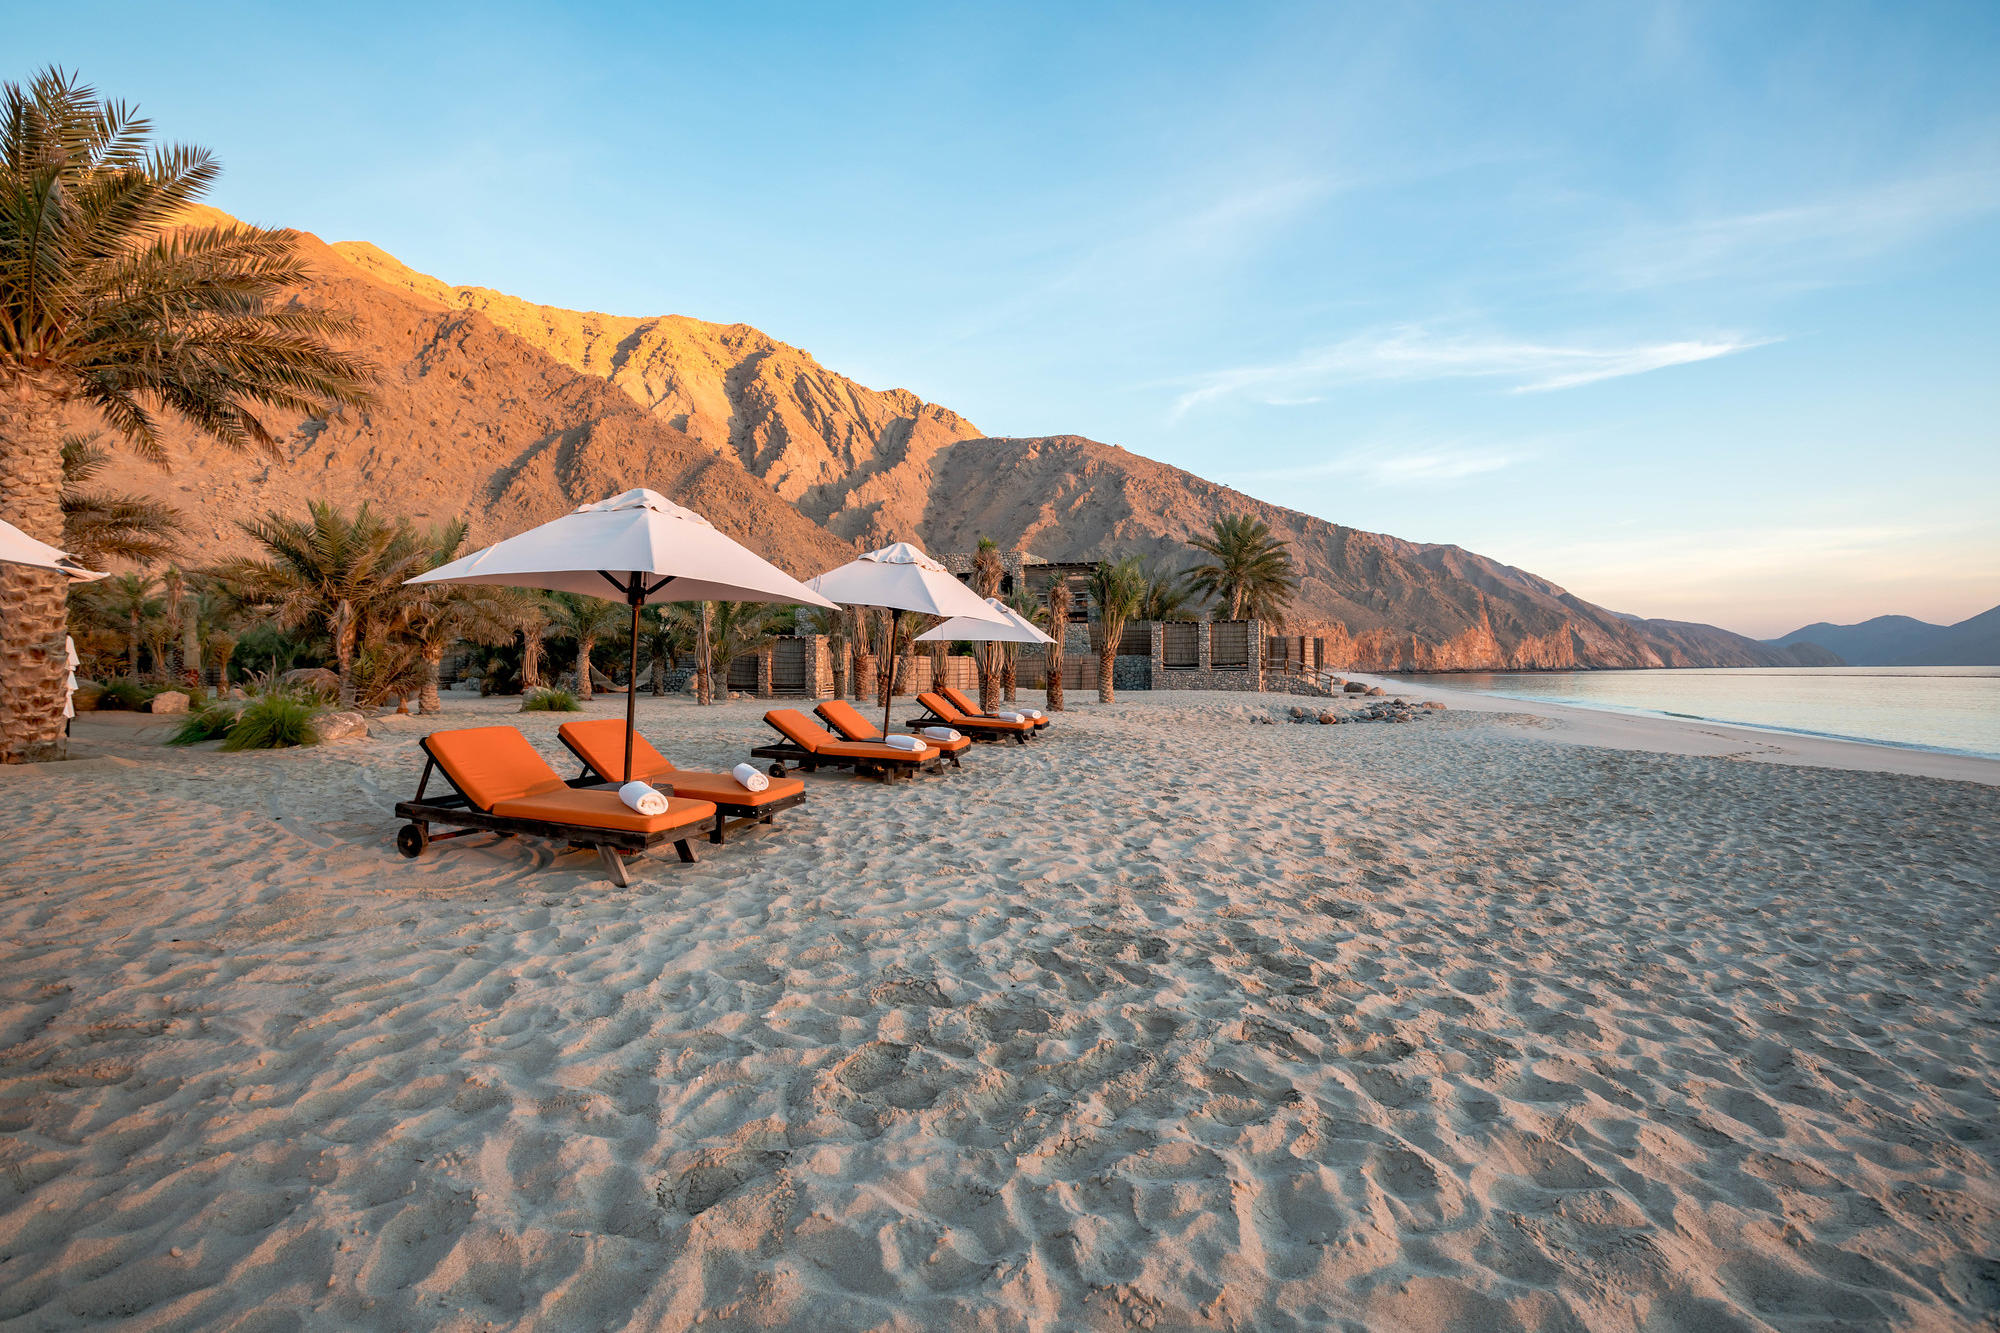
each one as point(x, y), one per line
point(333, 573)
point(100, 526)
point(108, 309)
point(126, 602)
point(1052, 654)
point(433, 616)
point(1117, 587)
point(987, 572)
point(583, 621)
point(1168, 596)
point(738, 628)
point(1249, 571)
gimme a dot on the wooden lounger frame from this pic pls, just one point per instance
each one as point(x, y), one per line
point(458, 811)
point(729, 815)
point(788, 751)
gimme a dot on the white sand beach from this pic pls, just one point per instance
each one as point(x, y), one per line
point(1506, 1019)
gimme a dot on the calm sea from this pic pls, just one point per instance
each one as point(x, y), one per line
point(1932, 708)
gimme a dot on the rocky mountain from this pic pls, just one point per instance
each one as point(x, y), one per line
point(468, 421)
point(1905, 641)
point(506, 412)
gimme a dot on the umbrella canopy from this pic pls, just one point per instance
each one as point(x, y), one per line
point(597, 550)
point(636, 547)
point(1018, 628)
point(18, 548)
point(901, 578)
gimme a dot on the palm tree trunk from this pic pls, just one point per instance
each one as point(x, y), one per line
point(191, 646)
point(704, 663)
point(659, 672)
point(1007, 672)
point(427, 698)
point(132, 649)
point(531, 661)
point(33, 602)
point(583, 647)
point(989, 676)
point(343, 651)
point(1052, 683)
point(1107, 658)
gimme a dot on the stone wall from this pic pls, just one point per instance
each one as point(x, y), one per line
point(1132, 673)
point(1206, 675)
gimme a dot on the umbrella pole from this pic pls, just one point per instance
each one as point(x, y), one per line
point(634, 596)
point(889, 695)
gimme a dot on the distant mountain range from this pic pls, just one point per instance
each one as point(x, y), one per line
point(1903, 641)
point(506, 413)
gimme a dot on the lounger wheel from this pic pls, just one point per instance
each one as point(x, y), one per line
point(411, 839)
point(777, 770)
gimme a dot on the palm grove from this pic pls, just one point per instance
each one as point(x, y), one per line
point(115, 315)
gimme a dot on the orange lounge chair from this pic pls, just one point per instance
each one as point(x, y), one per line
point(844, 718)
point(972, 710)
point(812, 746)
point(600, 744)
point(942, 714)
point(503, 786)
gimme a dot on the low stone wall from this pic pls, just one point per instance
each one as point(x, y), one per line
point(1235, 679)
point(1132, 673)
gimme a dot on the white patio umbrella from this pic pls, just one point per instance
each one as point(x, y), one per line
point(18, 548)
point(901, 578)
point(636, 547)
point(1017, 629)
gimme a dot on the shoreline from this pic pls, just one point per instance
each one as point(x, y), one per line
point(1581, 724)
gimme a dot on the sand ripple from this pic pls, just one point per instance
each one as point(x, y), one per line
point(1167, 1022)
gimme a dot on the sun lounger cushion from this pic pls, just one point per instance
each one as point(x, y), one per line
point(489, 765)
point(601, 808)
point(817, 740)
point(942, 707)
point(966, 706)
point(600, 743)
point(847, 720)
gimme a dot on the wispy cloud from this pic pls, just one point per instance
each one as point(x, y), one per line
point(1412, 353)
point(1810, 240)
point(1396, 465)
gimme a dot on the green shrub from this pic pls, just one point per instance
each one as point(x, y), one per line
point(273, 722)
point(550, 701)
point(125, 694)
point(208, 724)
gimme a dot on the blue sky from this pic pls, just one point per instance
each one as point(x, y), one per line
point(1691, 308)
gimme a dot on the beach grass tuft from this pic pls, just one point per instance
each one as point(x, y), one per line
point(550, 701)
point(209, 724)
point(273, 722)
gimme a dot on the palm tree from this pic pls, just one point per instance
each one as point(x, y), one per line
point(1118, 587)
point(107, 308)
point(337, 574)
point(1249, 570)
point(99, 526)
point(669, 632)
point(986, 574)
point(739, 628)
point(1031, 610)
point(127, 601)
point(1052, 654)
point(525, 611)
point(584, 620)
point(433, 616)
point(1168, 596)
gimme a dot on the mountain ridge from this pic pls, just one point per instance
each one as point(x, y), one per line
point(507, 412)
point(1906, 641)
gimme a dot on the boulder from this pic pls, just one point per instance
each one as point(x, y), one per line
point(87, 694)
point(1428, 703)
point(1325, 720)
point(1352, 687)
point(1372, 689)
point(332, 728)
point(236, 695)
point(168, 701)
point(312, 680)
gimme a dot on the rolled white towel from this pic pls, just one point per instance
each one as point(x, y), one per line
point(1033, 714)
point(749, 778)
point(643, 798)
point(1011, 717)
point(941, 733)
point(902, 742)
